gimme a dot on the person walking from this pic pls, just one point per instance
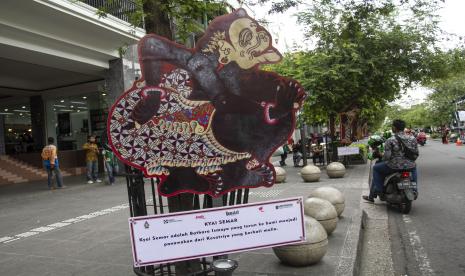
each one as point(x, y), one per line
point(297, 153)
point(286, 149)
point(111, 164)
point(91, 160)
point(50, 161)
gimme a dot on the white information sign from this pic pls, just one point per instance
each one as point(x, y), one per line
point(341, 151)
point(216, 231)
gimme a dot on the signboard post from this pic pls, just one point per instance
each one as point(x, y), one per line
point(189, 235)
point(344, 151)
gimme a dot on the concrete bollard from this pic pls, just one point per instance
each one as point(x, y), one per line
point(332, 195)
point(336, 170)
point(310, 173)
point(280, 174)
point(309, 252)
point(323, 211)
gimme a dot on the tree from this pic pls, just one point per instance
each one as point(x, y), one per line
point(174, 19)
point(364, 55)
point(442, 101)
point(180, 19)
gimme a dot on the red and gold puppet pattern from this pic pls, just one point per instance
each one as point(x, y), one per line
point(206, 120)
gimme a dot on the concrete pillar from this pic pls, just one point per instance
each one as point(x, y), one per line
point(38, 125)
point(121, 76)
point(122, 73)
point(114, 80)
point(2, 134)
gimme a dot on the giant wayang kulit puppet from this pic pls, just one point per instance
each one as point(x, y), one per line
point(206, 120)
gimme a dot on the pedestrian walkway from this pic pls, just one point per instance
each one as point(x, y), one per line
point(342, 248)
point(83, 230)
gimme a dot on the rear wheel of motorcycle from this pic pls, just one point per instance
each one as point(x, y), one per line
point(405, 207)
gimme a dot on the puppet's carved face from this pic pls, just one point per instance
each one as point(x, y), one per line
point(249, 45)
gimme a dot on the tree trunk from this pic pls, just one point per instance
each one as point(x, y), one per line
point(332, 130)
point(157, 21)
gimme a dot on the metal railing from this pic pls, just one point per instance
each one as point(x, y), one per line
point(121, 9)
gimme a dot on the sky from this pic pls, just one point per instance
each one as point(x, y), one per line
point(288, 35)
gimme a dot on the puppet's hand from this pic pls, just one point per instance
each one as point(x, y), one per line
point(289, 98)
point(148, 105)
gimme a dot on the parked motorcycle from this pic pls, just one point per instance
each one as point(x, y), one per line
point(398, 189)
point(421, 138)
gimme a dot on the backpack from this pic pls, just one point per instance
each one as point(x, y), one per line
point(408, 153)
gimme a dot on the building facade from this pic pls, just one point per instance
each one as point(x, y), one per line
point(61, 67)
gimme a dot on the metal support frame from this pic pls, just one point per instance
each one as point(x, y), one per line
point(157, 204)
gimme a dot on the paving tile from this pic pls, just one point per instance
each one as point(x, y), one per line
point(101, 246)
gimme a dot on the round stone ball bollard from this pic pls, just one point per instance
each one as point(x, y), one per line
point(332, 195)
point(336, 170)
point(280, 174)
point(310, 173)
point(323, 211)
point(309, 252)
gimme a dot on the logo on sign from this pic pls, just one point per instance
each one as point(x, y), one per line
point(146, 225)
point(289, 205)
point(261, 209)
point(232, 213)
point(200, 217)
point(166, 221)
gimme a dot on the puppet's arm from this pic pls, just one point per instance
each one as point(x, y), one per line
point(155, 50)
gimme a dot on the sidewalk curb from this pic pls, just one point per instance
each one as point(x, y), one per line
point(377, 247)
point(350, 262)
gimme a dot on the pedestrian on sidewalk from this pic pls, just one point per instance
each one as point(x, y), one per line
point(297, 153)
point(91, 160)
point(111, 163)
point(317, 153)
point(50, 161)
point(286, 149)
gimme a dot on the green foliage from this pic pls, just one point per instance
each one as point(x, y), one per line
point(189, 16)
point(363, 149)
point(364, 55)
point(416, 116)
point(174, 19)
point(442, 100)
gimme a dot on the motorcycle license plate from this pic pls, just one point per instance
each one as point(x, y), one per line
point(404, 184)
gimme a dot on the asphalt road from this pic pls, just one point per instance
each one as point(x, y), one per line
point(431, 239)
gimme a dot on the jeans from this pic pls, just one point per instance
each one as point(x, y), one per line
point(415, 177)
point(283, 159)
point(111, 171)
point(297, 156)
point(380, 171)
point(318, 157)
point(58, 176)
point(92, 170)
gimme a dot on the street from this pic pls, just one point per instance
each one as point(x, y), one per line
point(430, 240)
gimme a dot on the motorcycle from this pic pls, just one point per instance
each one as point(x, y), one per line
point(398, 189)
point(421, 138)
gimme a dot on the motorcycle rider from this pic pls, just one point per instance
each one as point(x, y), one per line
point(393, 159)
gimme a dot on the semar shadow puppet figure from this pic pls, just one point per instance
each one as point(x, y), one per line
point(206, 120)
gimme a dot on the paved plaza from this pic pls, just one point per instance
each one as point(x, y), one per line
point(83, 229)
